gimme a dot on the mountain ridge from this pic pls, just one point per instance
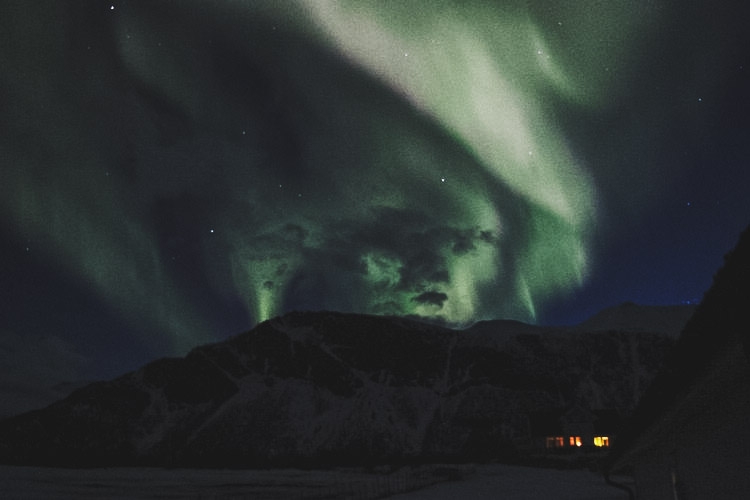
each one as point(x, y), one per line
point(338, 388)
point(633, 317)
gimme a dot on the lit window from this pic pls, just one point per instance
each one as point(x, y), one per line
point(575, 441)
point(601, 441)
point(555, 442)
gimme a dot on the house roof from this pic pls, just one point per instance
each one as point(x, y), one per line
point(546, 423)
point(713, 346)
point(550, 423)
point(607, 422)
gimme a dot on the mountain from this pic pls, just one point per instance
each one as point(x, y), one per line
point(324, 387)
point(639, 318)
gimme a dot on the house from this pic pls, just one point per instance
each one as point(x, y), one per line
point(572, 429)
point(689, 437)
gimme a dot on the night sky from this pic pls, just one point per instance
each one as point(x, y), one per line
point(172, 173)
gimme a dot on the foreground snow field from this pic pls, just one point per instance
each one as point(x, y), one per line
point(506, 482)
point(480, 482)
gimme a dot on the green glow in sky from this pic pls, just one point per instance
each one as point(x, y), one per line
point(485, 74)
point(263, 266)
point(68, 214)
point(380, 157)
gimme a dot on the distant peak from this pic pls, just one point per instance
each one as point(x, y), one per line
point(630, 316)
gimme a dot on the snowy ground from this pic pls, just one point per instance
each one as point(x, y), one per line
point(506, 482)
point(480, 482)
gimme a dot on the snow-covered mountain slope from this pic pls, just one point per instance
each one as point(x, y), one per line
point(339, 388)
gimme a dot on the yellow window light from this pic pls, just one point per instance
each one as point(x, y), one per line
point(601, 441)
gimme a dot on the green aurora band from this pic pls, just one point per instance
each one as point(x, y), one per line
point(431, 177)
point(485, 73)
point(480, 71)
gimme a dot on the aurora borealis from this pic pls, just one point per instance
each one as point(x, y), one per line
point(174, 172)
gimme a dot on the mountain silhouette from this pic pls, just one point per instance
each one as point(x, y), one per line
point(312, 388)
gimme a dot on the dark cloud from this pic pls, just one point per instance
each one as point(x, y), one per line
point(431, 298)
